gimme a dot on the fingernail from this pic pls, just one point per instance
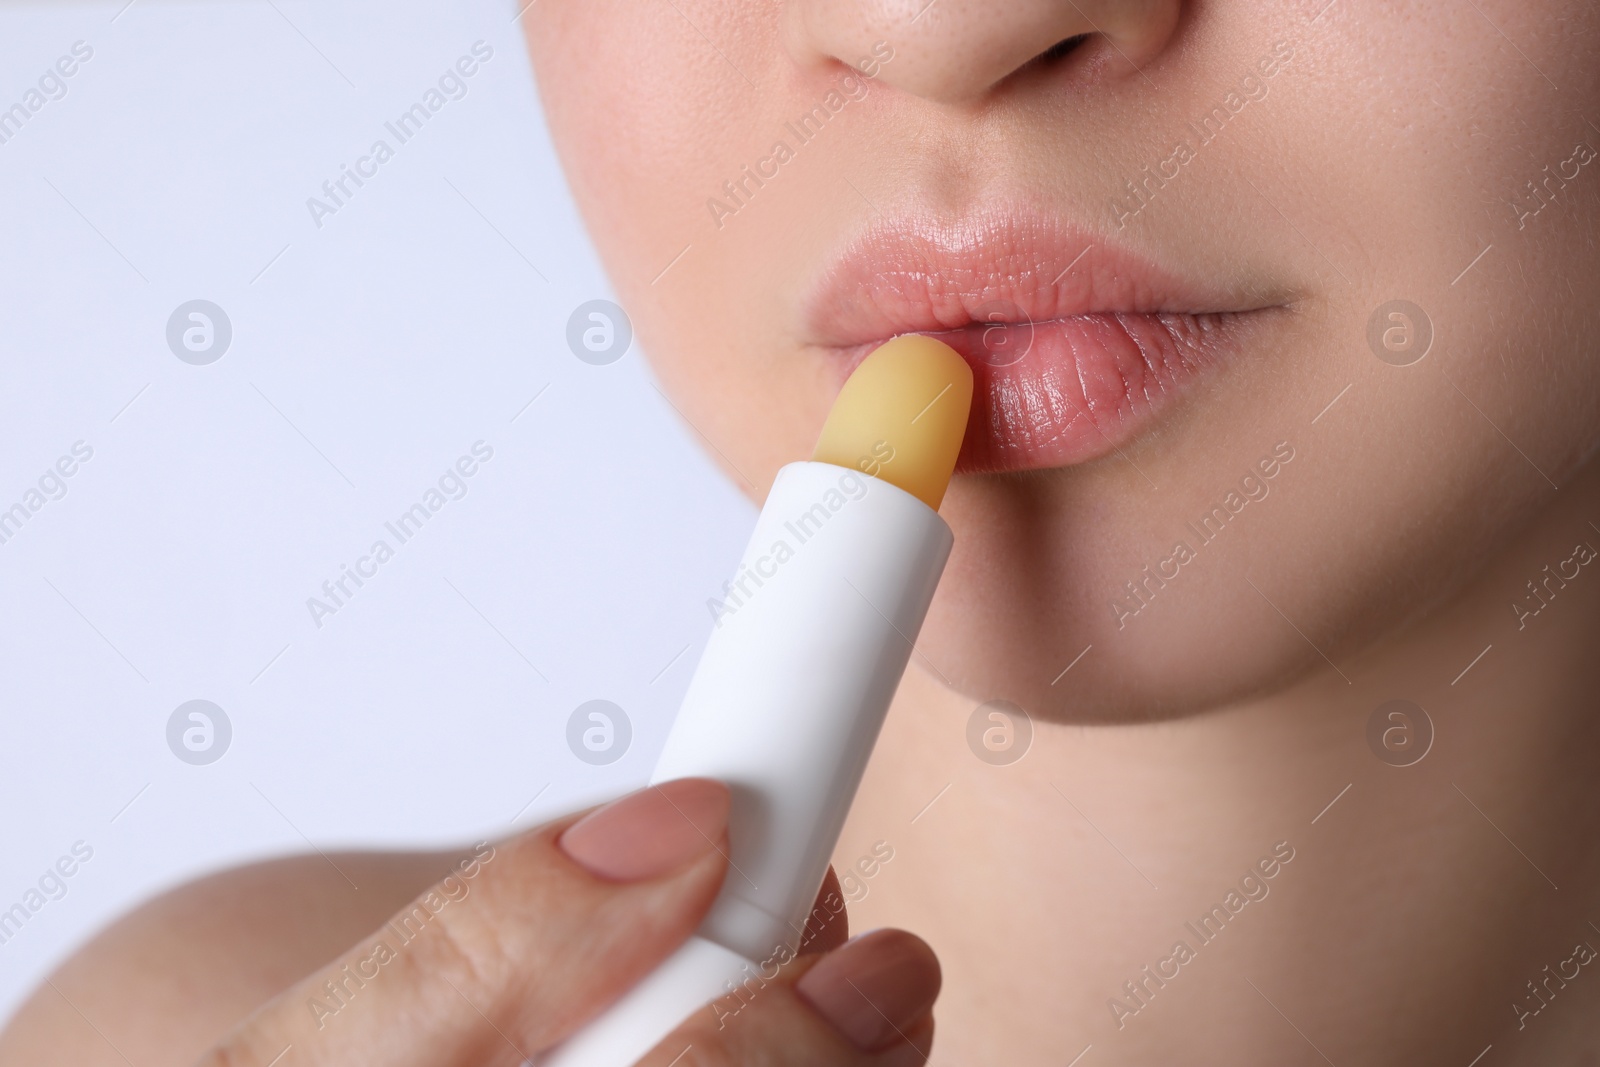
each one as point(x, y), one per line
point(874, 988)
point(649, 833)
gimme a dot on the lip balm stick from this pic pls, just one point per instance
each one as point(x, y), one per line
point(813, 635)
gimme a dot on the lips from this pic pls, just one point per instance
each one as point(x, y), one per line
point(1076, 344)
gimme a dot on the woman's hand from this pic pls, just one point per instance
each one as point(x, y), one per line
point(529, 939)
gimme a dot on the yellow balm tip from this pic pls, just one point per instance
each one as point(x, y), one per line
point(901, 416)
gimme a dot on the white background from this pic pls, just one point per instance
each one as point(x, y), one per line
point(366, 358)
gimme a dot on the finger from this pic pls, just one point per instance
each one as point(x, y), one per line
point(516, 949)
point(875, 989)
point(869, 1002)
point(828, 925)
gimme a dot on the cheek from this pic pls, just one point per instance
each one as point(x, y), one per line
point(630, 145)
point(1402, 490)
point(645, 153)
point(645, 156)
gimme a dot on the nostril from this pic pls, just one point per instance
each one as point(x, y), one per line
point(1060, 50)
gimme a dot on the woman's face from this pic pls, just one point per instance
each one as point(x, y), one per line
point(1280, 312)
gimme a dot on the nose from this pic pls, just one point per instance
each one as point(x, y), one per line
point(957, 51)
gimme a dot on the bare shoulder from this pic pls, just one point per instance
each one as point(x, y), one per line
point(159, 985)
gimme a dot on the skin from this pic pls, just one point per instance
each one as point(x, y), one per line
point(1362, 197)
point(1384, 158)
point(517, 944)
point(1386, 161)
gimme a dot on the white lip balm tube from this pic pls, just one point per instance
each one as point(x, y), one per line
point(813, 637)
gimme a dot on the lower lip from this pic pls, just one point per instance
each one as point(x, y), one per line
point(1069, 390)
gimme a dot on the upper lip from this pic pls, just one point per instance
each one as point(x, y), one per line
point(916, 276)
point(1076, 343)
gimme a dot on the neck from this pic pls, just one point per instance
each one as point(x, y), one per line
point(1110, 888)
